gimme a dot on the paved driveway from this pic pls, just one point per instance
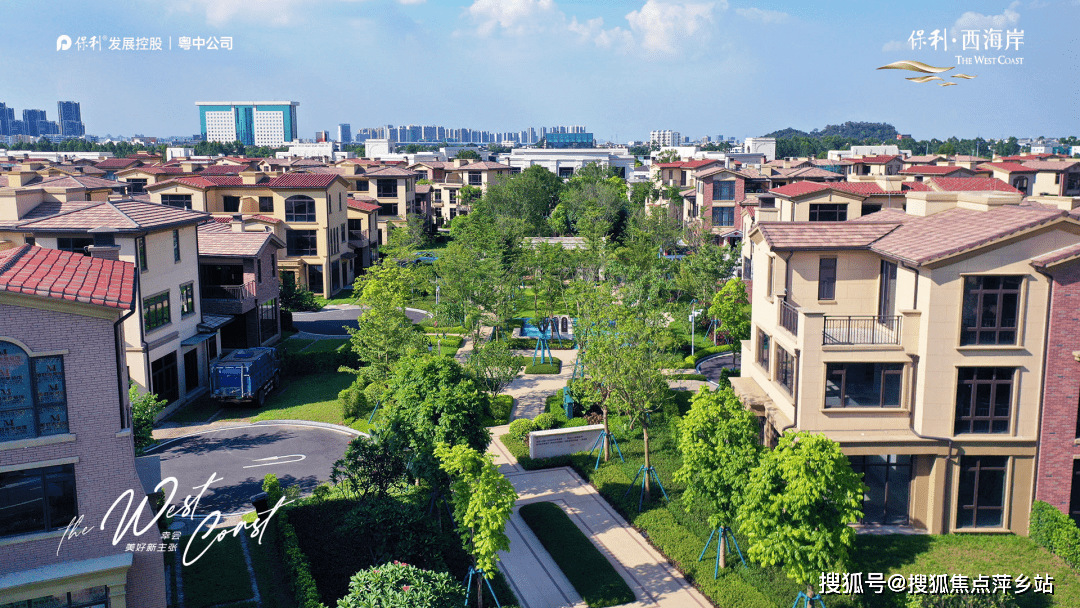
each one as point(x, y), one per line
point(330, 321)
point(242, 456)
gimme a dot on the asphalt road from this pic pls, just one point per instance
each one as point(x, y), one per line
point(242, 456)
point(331, 321)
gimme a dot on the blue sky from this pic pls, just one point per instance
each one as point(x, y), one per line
point(620, 67)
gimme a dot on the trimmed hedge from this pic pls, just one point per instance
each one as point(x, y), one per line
point(701, 353)
point(297, 567)
point(1056, 532)
point(501, 406)
point(530, 343)
point(449, 340)
point(584, 566)
point(543, 368)
point(700, 377)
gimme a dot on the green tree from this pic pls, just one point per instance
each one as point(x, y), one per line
point(296, 298)
point(731, 306)
point(467, 154)
point(702, 270)
point(384, 332)
point(371, 466)
point(947, 149)
point(529, 196)
point(798, 507)
point(670, 155)
point(495, 366)
point(642, 193)
point(144, 406)
point(468, 195)
point(718, 440)
point(483, 502)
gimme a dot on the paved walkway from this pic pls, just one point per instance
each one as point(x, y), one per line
point(530, 391)
point(534, 577)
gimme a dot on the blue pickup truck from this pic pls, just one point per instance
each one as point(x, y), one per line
point(245, 376)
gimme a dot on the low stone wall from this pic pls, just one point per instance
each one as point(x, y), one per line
point(560, 442)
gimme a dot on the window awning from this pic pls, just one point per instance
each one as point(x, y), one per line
point(198, 338)
point(211, 323)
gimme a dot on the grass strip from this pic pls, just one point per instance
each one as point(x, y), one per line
point(220, 576)
point(587, 569)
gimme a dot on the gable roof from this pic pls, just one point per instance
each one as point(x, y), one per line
point(969, 184)
point(64, 275)
point(924, 159)
point(933, 170)
point(1051, 165)
point(823, 235)
point(392, 171)
point(362, 205)
point(1008, 167)
point(482, 166)
point(880, 159)
point(1065, 254)
point(863, 189)
point(121, 216)
point(117, 163)
point(220, 240)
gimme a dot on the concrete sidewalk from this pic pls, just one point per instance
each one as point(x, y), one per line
point(528, 567)
point(530, 391)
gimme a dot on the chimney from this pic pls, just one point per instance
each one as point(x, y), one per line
point(16, 179)
point(104, 247)
point(250, 178)
point(461, 162)
point(187, 166)
point(237, 223)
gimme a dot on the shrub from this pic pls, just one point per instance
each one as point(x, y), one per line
point(952, 600)
point(353, 401)
point(726, 374)
point(701, 353)
point(543, 368)
point(399, 584)
point(546, 421)
point(699, 377)
point(297, 568)
point(144, 407)
point(520, 428)
point(1056, 532)
point(371, 467)
point(575, 423)
point(500, 408)
point(272, 487)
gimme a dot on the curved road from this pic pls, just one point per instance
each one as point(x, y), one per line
point(241, 456)
point(332, 321)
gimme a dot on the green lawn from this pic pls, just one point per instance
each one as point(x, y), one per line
point(326, 345)
point(269, 573)
point(312, 397)
point(197, 411)
point(500, 411)
point(220, 576)
point(344, 296)
point(585, 567)
point(295, 345)
point(541, 368)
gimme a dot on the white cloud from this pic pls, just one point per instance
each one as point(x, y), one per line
point(763, 15)
point(978, 21)
point(895, 45)
point(411, 1)
point(666, 29)
point(658, 28)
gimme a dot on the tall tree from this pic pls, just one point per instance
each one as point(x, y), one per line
point(384, 332)
point(529, 196)
point(731, 306)
point(483, 502)
point(799, 506)
point(494, 365)
point(718, 440)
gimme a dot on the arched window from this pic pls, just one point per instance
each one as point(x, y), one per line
point(1021, 184)
point(34, 400)
point(299, 208)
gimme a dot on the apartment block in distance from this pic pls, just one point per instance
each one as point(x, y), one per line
point(66, 447)
point(915, 338)
point(258, 123)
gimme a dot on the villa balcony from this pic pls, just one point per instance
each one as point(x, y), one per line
point(230, 299)
point(862, 330)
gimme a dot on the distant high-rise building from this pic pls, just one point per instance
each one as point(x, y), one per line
point(70, 119)
point(31, 118)
point(665, 138)
point(321, 136)
point(7, 116)
point(258, 123)
point(344, 133)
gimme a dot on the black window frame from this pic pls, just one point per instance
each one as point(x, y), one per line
point(266, 204)
point(187, 299)
point(826, 278)
point(140, 253)
point(157, 311)
point(978, 298)
point(972, 469)
point(386, 188)
point(476, 178)
point(171, 200)
point(828, 212)
point(726, 213)
point(52, 518)
point(54, 384)
point(176, 245)
point(138, 184)
point(764, 350)
point(292, 214)
point(268, 315)
point(230, 204)
point(879, 374)
point(723, 190)
point(785, 369)
point(362, 185)
point(165, 377)
point(74, 244)
point(293, 244)
point(968, 419)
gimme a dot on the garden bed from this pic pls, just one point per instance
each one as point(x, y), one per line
point(585, 567)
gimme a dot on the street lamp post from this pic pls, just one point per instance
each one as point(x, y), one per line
point(692, 326)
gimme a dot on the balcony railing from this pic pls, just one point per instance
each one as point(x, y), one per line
point(359, 237)
point(789, 317)
point(861, 330)
point(229, 292)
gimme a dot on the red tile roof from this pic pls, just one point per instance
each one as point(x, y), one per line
point(859, 188)
point(223, 170)
point(924, 159)
point(891, 214)
point(219, 239)
point(970, 184)
point(393, 171)
point(823, 235)
point(122, 216)
point(289, 180)
point(301, 180)
point(1009, 167)
point(1028, 156)
point(79, 181)
point(225, 219)
point(362, 205)
point(483, 166)
point(933, 170)
point(117, 163)
point(64, 275)
point(1051, 165)
point(1056, 257)
point(924, 239)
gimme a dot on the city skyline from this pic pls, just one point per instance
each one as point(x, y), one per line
point(624, 67)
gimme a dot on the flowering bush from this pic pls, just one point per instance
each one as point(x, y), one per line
point(399, 585)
